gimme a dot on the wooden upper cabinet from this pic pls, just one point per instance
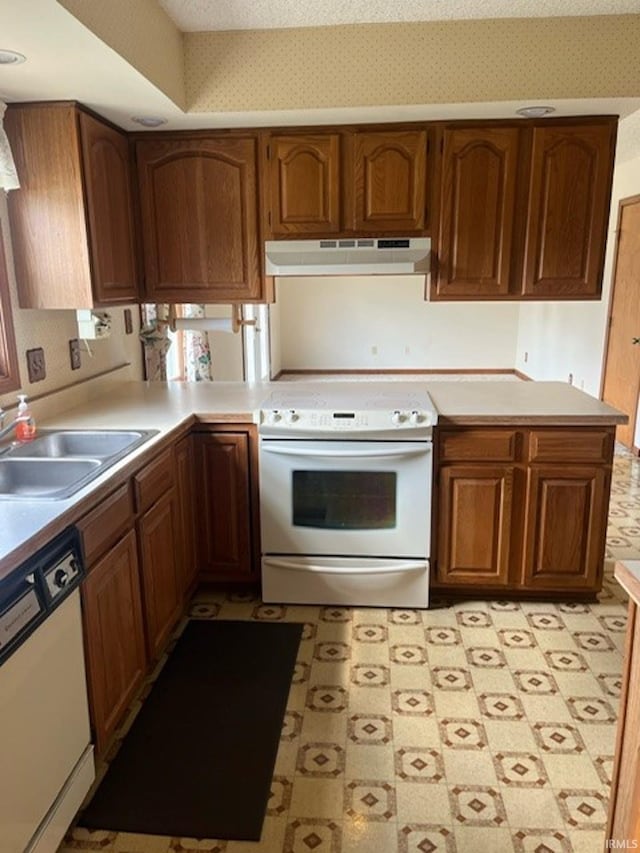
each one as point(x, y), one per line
point(390, 181)
point(477, 205)
point(199, 211)
point(72, 218)
point(107, 181)
point(346, 183)
point(304, 184)
point(568, 210)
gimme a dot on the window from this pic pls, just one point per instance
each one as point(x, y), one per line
point(9, 375)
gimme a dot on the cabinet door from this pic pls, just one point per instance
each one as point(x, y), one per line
point(160, 574)
point(477, 210)
point(225, 521)
point(198, 200)
point(570, 184)
point(566, 513)
point(107, 181)
point(304, 182)
point(114, 636)
point(390, 174)
point(185, 473)
point(475, 512)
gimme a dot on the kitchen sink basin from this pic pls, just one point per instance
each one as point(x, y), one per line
point(58, 463)
point(44, 478)
point(97, 444)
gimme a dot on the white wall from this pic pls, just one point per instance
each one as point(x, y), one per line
point(563, 338)
point(383, 322)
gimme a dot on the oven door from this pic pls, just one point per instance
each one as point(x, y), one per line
point(346, 498)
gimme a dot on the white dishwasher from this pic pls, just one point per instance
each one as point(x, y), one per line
point(45, 748)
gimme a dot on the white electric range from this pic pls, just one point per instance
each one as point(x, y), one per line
point(345, 494)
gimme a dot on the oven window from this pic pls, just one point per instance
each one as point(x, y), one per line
point(344, 500)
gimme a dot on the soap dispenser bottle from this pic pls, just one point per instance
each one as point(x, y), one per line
point(25, 424)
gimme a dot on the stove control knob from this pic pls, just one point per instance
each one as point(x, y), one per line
point(291, 417)
point(415, 418)
point(61, 578)
point(274, 416)
point(397, 417)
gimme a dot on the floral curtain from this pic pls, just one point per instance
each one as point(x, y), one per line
point(8, 175)
point(195, 361)
point(154, 335)
point(197, 352)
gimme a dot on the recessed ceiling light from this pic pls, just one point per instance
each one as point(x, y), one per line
point(10, 57)
point(535, 112)
point(149, 121)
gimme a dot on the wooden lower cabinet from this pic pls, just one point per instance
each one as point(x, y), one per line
point(522, 509)
point(114, 636)
point(475, 524)
point(565, 526)
point(160, 572)
point(186, 513)
point(226, 472)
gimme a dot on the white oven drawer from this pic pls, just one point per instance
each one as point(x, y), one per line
point(366, 582)
point(346, 498)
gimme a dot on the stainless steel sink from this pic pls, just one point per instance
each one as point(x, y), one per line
point(45, 478)
point(98, 444)
point(58, 463)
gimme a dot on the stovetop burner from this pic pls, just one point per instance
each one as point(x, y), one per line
point(352, 395)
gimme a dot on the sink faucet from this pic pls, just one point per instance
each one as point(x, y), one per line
point(5, 430)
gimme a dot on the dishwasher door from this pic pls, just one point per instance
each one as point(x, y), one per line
point(44, 732)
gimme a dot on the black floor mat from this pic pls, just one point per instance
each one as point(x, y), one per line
point(199, 757)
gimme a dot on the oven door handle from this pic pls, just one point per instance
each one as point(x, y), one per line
point(347, 454)
point(391, 569)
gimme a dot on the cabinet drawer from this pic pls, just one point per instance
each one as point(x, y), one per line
point(479, 445)
point(571, 446)
point(154, 480)
point(105, 525)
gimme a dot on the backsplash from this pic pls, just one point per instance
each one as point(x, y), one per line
point(116, 358)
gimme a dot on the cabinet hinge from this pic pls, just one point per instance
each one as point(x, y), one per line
point(441, 145)
point(269, 217)
point(428, 145)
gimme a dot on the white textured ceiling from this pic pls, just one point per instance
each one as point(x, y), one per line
point(205, 15)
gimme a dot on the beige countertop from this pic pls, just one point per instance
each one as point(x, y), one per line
point(519, 403)
point(167, 407)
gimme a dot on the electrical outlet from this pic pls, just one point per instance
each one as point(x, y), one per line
point(570, 379)
point(526, 357)
point(36, 367)
point(74, 354)
point(128, 321)
point(374, 350)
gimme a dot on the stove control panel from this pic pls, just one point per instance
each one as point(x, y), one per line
point(312, 420)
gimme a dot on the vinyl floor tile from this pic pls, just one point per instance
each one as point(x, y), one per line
point(482, 726)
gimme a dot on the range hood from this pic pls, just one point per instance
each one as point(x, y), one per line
point(365, 256)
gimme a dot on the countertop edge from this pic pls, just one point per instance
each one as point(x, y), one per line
point(627, 580)
point(532, 420)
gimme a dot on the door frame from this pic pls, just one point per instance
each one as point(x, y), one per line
point(624, 202)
